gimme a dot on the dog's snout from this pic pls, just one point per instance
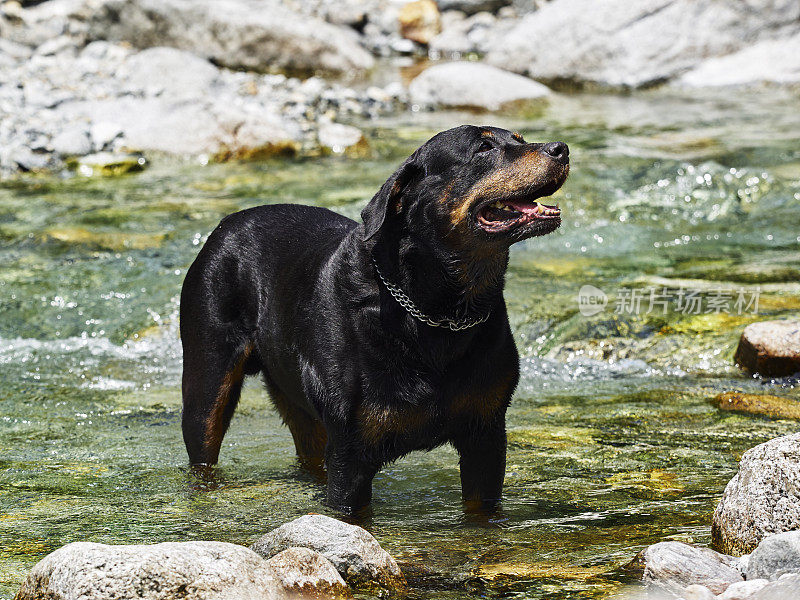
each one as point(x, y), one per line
point(556, 150)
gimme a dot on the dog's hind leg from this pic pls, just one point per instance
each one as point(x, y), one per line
point(308, 432)
point(212, 383)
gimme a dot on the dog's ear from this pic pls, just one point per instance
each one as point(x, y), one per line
point(389, 197)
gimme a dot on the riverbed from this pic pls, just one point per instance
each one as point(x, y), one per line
point(613, 441)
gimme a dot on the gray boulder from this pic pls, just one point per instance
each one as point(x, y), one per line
point(73, 141)
point(786, 588)
point(775, 555)
point(186, 570)
point(769, 61)
point(771, 348)
point(261, 35)
point(763, 497)
point(168, 71)
point(472, 85)
point(304, 571)
point(673, 566)
point(354, 552)
point(743, 590)
point(634, 43)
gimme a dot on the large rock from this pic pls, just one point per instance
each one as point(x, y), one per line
point(674, 566)
point(775, 555)
point(786, 588)
point(744, 590)
point(472, 85)
point(637, 42)
point(259, 35)
point(765, 405)
point(354, 552)
point(186, 570)
point(771, 348)
point(170, 72)
point(763, 497)
point(304, 571)
point(773, 61)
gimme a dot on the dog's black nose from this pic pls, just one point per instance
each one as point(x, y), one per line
point(557, 150)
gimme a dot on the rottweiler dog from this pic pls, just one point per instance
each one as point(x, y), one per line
point(381, 337)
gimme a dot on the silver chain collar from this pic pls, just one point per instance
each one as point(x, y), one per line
point(406, 302)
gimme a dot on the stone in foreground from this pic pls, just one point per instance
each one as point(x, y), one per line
point(763, 497)
point(186, 570)
point(354, 552)
point(744, 590)
point(304, 571)
point(673, 566)
point(776, 555)
point(473, 86)
point(786, 588)
point(770, 348)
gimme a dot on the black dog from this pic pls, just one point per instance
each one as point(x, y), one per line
point(379, 338)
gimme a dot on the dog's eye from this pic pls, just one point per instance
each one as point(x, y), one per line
point(485, 146)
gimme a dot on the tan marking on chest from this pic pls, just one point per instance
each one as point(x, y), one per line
point(380, 422)
point(487, 401)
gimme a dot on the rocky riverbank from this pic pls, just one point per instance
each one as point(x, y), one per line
point(313, 556)
point(248, 79)
point(757, 520)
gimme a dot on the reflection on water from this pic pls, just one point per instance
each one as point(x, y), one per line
point(613, 443)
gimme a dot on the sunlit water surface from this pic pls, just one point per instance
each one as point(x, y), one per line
point(613, 441)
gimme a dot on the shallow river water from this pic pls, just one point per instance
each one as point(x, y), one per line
point(613, 440)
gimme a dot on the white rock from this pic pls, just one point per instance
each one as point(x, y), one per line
point(338, 137)
point(762, 498)
point(674, 565)
point(697, 592)
point(74, 141)
point(786, 588)
point(251, 34)
point(169, 71)
point(772, 61)
point(301, 570)
point(743, 590)
point(636, 42)
point(352, 550)
point(776, 555)
point(187, 570)
point(104, 132)
point(472, 85)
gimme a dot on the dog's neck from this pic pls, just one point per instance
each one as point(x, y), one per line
point(443, 283)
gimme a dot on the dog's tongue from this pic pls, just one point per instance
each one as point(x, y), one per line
point(534, 209)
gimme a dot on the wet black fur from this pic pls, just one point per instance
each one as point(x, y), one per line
point(290, 291)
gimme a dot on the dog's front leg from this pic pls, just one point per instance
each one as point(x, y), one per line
point(349, 477)
point(483, 465)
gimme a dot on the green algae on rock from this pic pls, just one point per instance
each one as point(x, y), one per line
point(765, 405)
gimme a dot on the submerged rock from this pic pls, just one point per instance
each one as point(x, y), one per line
point(354, 552)
point(472, 85)
point(110, 164)
point(639, 42)
point(186, 570)
point(763, 497)
point(234, 33)
point(776, 555)
point(342, 139)
point(674, 565)
point(770, 348)
point(306, 572)
point(766, 405)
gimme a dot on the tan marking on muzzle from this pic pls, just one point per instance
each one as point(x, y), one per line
point(527, 170)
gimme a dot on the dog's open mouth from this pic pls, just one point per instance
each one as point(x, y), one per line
point(510, 213)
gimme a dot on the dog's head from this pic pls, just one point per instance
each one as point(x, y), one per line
point(472, 186)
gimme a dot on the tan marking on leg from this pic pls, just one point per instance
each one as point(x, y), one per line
point(215, 426)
